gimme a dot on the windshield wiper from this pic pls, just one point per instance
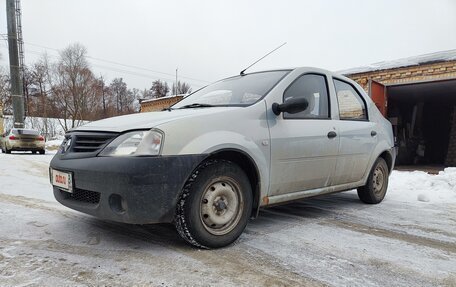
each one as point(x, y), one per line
point(196, 105)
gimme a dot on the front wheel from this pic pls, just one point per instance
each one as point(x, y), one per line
point(215, 205)
point(377, 183)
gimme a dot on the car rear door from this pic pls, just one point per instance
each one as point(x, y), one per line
point(357, 135)
point(304, 146)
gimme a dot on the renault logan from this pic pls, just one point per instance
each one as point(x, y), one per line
point(211, 161)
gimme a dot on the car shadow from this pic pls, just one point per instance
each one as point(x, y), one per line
point(271, 219)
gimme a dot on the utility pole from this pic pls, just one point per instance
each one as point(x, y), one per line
point(15, 68)
point(175, 87)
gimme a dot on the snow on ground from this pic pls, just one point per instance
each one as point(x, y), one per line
point(331, 240)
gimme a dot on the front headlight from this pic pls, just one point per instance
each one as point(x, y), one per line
point(137, 143)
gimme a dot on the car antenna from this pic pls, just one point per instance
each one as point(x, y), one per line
point(242, 72)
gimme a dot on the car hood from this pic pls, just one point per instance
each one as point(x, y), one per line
point(148, 120)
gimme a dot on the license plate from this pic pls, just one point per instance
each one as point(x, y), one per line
point(63, 180)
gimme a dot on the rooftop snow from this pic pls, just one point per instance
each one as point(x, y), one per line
point(442, 56)
point(166, 97)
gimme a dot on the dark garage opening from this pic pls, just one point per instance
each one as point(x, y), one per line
point(421, 114)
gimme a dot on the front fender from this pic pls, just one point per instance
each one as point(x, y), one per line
point(228, 140)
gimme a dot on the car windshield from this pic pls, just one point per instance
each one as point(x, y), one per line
point(25, 132)
point(235, 91)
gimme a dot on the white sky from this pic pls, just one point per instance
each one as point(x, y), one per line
point(209, 40)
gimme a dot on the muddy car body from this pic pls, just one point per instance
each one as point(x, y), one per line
point(211, 161)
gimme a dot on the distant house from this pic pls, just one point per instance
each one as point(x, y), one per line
point(158, 104)
point(418, 95)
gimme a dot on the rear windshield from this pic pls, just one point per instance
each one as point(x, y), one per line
point(236, 91)
point(25, 132)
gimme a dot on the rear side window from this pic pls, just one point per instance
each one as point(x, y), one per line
point(313, 87)
point(351, 105)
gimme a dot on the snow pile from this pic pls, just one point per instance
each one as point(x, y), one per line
point(54, 144)
point(420, 186)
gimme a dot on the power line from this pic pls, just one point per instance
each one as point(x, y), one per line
point(121, 64)
point(118, 70)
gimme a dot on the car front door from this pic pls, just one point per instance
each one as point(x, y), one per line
point(304, 145)
point(357, 134)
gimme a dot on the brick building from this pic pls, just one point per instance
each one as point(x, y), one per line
point(418, 96)
point(154, 105)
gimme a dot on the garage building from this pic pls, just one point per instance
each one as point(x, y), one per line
point(158, 104)
point(418, 95)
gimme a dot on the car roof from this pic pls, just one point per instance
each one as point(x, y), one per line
point(306, 69)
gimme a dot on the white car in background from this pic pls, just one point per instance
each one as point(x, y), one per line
point(211, 161)
point(18, 139)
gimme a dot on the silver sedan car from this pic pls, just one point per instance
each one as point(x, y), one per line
point(211, 161)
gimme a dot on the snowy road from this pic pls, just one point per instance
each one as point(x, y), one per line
point(333, 240)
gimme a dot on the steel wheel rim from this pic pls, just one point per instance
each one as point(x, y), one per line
point(221, 206)
point(378, 180)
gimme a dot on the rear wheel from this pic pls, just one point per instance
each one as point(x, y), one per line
point(42, 151)
point(377, 183)
point(215, 205)
point(7, 150)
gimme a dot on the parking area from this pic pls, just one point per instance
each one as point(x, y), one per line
point(407, 240)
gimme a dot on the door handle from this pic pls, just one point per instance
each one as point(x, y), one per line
point(373, 133)
point(332, 134)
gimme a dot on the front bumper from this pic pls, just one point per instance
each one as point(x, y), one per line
point(137, 190)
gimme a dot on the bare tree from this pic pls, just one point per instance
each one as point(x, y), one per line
point(5, 94)
point(147, 94)
point(68, 90)
point(159, 89)
point(134, 97)
point(40, 88)
point(182, 88)
point(73, 88)
point(120, 92)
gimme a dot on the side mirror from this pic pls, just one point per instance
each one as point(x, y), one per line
point(291, 106)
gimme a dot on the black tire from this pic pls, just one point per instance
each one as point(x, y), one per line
point(377, 183)
point(42, 151)
point(216, 191)
point(7, 150)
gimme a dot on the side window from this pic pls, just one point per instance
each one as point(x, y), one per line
point(351, 105)
point(313, 87)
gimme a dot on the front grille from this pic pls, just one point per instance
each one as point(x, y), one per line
point(90, 142)
point(82, 195)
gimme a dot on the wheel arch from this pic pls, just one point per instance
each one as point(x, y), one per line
point(386, 155)
point(248, 165)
